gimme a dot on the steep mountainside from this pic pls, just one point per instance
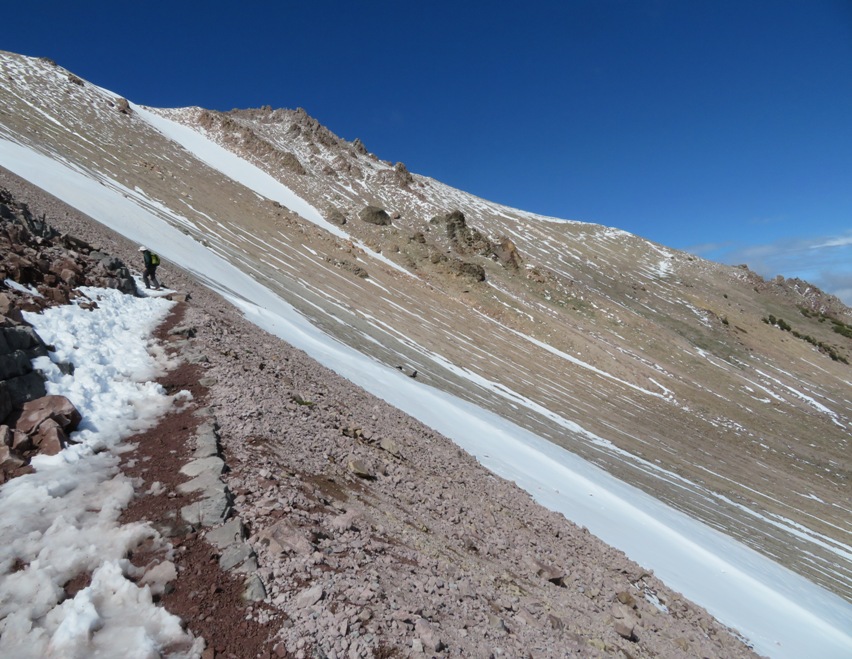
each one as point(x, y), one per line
point(723, 394)
point(344, 532)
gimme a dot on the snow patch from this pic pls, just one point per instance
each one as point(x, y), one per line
point(62, 521)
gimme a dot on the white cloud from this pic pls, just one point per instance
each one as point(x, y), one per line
point(843, 241)
point(824, 261)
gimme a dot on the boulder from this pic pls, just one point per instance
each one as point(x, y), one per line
point(21, 337)
point(5, 402)
point(21, 441)
point(285, 537)
point(58, 295)
point(507, 253)
point(389, 445)
point(237, 555)
point(9, 462)
point(56, 408)
point(122, 105)
point(626, 598)
point(9, 308)
point(254, 590)
point(213, 509)
point(308, 597)
point(206, 441)
point(624, 622)
point(206, 481)
point(428, 635)
point(360, 469)
point(14, 364)
point(548, 572)
point(227, 534)
point(625, 629)
point(374, 215)
point(49, 438)
point(25, 388)
point(213, 464)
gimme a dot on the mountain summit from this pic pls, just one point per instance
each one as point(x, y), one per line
point(705, 386)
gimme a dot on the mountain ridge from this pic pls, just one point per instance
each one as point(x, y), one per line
point(621, 350)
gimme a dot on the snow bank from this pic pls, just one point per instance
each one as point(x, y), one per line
point(61, 522)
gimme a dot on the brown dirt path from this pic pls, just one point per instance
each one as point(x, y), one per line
point(207, 599)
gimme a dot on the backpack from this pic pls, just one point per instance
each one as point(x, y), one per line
point(155, 260)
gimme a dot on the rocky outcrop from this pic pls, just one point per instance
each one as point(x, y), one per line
point(402, 176)
point(358, 147)
point(305, 125)
point(464, 239)
point(398, 176)
point(243, 139)
point(47, 265)
point(39, 268)
point(42, 426)
point(810, 297)
point(335, 216)
point(473, 271)
point(123, 106)
point(507, 253)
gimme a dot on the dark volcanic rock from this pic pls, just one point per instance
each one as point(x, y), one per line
point(374, 215)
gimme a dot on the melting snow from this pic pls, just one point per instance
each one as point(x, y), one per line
point(63, 519)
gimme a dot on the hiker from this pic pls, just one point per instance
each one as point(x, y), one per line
point(149, 276)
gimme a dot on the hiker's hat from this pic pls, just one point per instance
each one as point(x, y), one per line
point(142, 248)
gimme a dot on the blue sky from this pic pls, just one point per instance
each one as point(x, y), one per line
point(720, 127)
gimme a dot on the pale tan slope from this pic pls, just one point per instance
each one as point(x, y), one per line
point(662, 359)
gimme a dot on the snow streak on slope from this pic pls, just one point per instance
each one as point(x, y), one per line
point(783, 614)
